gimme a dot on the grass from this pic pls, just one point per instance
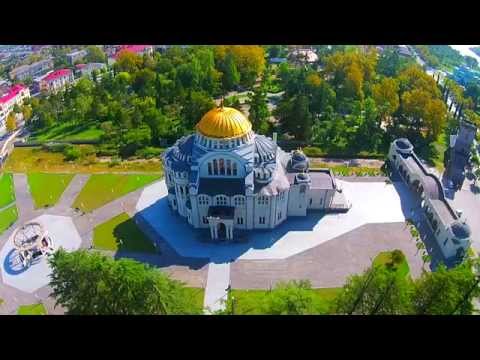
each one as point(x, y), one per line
point(121, 233)
point(46, 189)
point(385, 258)
point(101, 189)
point(35, 159)
point(197, 294)
point(7, 217)
point(34, 309)
point(68, 131)
point(248, 302)
point(7, 192)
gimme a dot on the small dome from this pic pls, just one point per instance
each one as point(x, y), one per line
point(461, 231)
point(224, 123)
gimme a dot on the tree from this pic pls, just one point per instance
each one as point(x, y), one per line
point(295, 117)
point(445, 291)
point(127, 61)
point(196, 105)
point(88, 283)
point(135, 139)
point(385, 94)
point(291, 298)
point(95, 54)
point(231, 76)
point(471, 62)
point(259, 113)
point(249, 60)
point(11, 122)
point(27, 112)
point(378, 291)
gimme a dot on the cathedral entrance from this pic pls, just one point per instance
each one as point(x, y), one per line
point(222, 231)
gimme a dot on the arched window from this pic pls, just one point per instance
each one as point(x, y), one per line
point(203, 200)
point(215, 167)
point(229, 167)
point(234, 171)
point(221, 200)
point(239, 201)
point(221, 167)
point(262, 200)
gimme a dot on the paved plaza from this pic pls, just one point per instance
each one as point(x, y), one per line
point(324, 248)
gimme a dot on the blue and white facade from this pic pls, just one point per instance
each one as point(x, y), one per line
point(246, 182)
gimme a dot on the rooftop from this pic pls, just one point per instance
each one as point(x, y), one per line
point(11, 93)
point(57, 74)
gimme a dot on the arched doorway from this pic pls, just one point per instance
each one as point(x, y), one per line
point(221, 231)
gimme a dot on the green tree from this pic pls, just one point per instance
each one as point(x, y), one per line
point(135, 139)
point(295, 117)
point(291, 298)
point(378, 291)
point(231, 76)
point(87, 283)
point(197, 104)
point(95, 54)
point(259, 113)
point(446, 291)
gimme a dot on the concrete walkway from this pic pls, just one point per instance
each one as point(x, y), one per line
point(216, 290)
point(25, 206)
point(71, 192)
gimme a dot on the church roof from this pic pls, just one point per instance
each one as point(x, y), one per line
point(224, 123)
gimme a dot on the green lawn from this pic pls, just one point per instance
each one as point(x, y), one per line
point(8, 217)
point(7, 192)
point(121, 233)
point(248, 302)
point(34, 309)
point(68, 131)
point(385, 258)
point(100, 189)
point(46, 189)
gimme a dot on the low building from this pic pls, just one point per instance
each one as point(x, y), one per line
point(451, 231)
point(14, 96)
point(225, 178)
point(75, 56)
point(56, 80)
point(88, 69)
point(35, 69)
point(459, 153)
point(303, 56)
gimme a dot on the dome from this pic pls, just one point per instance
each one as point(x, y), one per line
point(461, 231)
point(224, 123)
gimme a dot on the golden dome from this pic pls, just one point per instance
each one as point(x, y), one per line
point(224, 122)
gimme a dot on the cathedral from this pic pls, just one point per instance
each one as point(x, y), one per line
point(226, 178)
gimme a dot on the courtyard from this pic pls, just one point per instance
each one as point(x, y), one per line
point(323, 248)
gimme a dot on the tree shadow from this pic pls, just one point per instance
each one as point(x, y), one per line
point(130, 238)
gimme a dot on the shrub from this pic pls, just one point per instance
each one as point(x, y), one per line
point(72, 153)
point(149, 152)
point(55, 147)
point(313, 151)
